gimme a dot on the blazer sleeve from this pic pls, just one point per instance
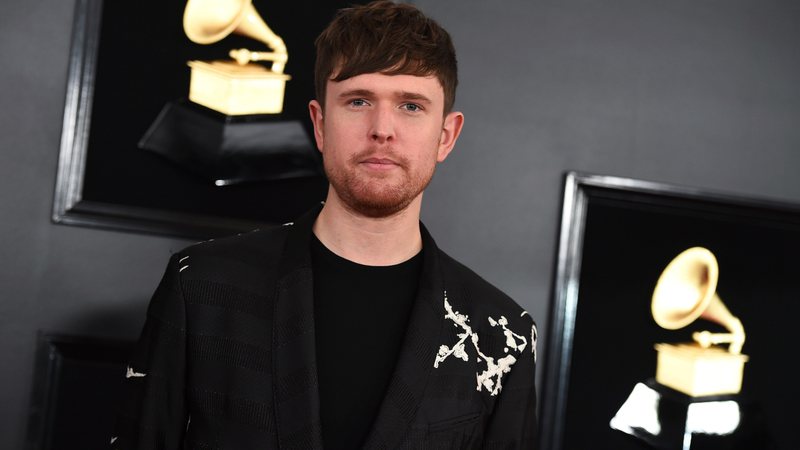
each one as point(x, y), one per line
point(513, 423)
point(153, 413)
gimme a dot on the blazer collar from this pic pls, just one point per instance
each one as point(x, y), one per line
point(295, 384)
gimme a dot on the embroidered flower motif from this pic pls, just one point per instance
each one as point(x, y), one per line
point(492, 377)
point(511, 337)
point(534, 336)
point(134, 374)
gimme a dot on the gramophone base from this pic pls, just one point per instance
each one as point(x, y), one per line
point(234, 89)
point(228, 150)
point(666, 419)
point(699, 372)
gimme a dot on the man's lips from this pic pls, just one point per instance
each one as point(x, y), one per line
point(379, 163)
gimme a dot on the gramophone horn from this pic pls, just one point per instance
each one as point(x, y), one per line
point(686, 291)
point(209, 21)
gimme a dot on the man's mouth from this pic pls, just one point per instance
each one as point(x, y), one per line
point(379, 163)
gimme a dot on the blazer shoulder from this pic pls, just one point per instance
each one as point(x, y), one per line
point(480, 296)
point(255, 244)
point(249, 260)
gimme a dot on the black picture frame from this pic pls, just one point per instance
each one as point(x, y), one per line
point(77, 383)
point(127, 61)
point(616, 236)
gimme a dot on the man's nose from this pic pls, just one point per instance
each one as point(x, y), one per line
point(382, 126)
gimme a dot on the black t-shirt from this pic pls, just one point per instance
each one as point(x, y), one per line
point(360, 318)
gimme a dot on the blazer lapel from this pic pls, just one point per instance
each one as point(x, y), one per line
point(407, 386)
point(295, 386)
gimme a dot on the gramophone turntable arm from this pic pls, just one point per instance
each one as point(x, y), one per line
point(244, 56)
point(735, 337)
point(254, 26)
point(279, 55)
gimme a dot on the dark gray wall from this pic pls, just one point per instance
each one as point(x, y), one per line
point(700, 93)
point(52, 277)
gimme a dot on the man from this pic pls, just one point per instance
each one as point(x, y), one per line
point(347, 328)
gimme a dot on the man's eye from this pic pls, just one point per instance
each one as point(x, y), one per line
point(358, 102)
point(412, 107)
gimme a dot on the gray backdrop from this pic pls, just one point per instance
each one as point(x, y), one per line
point(704, 93)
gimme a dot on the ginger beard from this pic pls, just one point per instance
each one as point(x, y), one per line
point(374, 194)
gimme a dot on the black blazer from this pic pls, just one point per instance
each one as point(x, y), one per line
point(226, 358)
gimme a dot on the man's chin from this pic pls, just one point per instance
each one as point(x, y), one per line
point(377, 198)
point(377, 208)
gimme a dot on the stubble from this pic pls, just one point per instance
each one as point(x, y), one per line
point(377, 195)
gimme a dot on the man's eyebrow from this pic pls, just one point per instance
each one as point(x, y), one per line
point(405, 95)
point(357, 93)
point(415, 96)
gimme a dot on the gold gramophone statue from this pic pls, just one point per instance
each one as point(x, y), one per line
point(238, 86)
point(686, 291)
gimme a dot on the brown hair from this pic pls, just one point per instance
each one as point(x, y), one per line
point(384, 37)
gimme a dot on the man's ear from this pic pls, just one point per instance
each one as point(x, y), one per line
point(317, 119)
point(451, 128)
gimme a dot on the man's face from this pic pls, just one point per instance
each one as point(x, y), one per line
point(381, 137)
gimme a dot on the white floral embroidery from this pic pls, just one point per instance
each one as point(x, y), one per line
point(511, 337)
point(534, 336)
point(492, 377)
point(133, 374)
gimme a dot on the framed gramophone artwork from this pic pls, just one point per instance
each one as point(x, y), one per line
point(671, 322)
point(189, 117)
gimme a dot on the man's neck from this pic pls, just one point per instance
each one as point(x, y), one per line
point(366, 240)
